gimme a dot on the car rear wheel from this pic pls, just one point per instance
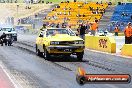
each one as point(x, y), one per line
point(38, 52)
point(46, 54)
point(80, 56)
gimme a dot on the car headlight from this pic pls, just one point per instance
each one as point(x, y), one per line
point(54, 43)
point(79, 42)
point(76, 42)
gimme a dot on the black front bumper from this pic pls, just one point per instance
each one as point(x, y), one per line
point(65, 49)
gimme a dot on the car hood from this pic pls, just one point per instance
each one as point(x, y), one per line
point(64, 37)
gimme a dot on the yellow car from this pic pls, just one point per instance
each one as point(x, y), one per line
point(59, 41)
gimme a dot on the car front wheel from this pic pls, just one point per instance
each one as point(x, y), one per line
point(38, 52)
point(80, 56)
point(46, 54)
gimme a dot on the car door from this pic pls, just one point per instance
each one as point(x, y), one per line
point(43, 41)
point(40, 41)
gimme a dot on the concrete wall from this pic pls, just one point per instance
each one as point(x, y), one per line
point(100, 43)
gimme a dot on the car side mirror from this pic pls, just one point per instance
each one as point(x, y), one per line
point(76, 34)
point(40, 35)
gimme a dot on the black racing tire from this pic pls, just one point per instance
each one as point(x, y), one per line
point(5, 41)
point(15, 39)
point(80, 56)
point(46, 54)
point(38, 52)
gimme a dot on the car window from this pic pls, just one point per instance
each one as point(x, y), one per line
point(6, 29)
point(49, 32)
point(13, 29)
point(71, 32)
point(52, 32)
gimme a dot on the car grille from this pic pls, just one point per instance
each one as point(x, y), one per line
point(66, 42)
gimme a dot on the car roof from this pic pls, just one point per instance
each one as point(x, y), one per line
point(52, 28)
point(55, 28)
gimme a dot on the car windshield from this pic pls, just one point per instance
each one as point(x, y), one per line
point(52, 32)
point(8, 29)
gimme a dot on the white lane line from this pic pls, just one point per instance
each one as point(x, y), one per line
point(10, 76)
point(113, 54)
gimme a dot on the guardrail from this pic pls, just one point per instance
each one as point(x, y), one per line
point(100, 43)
